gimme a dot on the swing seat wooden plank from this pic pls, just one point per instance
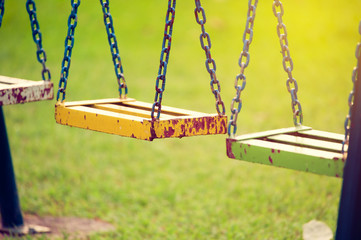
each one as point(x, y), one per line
point(131, 118)
point(14, 90)
point(301, 149)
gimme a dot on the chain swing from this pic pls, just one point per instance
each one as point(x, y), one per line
point(131, 118)
point(15, 90)
point(299, 147)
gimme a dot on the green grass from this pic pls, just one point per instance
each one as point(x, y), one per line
point(188, 188)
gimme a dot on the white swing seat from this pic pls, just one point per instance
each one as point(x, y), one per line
point(15, 90)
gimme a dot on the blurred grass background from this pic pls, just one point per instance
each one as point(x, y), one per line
point(179, 188)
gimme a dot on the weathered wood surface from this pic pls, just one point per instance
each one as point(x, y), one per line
point(14, 90)
point(133, 119)
point(302, 149)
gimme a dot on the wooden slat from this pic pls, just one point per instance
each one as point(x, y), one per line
point(307, 142)
point(129, 111)
point(4, 85)
point(21, 91)
point(325, 135)
point(293, 149)
point(97, 101)
point(13, 88)
point(23, 84)
point(271, 132)
point(101, 112)
point(136, 104)
point(286, 156)
point(165, 109)
point(102, 121)
point(11, 80)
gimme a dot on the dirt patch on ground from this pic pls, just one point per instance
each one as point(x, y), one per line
point(66, 227)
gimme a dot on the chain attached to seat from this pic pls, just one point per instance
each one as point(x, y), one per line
point(206, 45)
point(243, 63)
point(355, 78)
point(108, 21)
point(164, 58)
point(69, 44)
point(291, 83)
point(35, 28)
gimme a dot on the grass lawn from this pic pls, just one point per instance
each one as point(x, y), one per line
point(179, 188)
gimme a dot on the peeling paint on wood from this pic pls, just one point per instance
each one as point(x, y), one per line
point(14, 91)
point(128, 119)
point(305, 154)
point(229, 142)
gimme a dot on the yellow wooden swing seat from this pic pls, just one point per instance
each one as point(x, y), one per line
point(131, 118)
point(14, 90)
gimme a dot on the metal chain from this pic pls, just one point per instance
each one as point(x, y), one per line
point(164, 57)
point(35, 28)
point(2, 10)
point(69, 44)
point(240, 81)
point(291, 83)
point(108, 21)
point(206, 45)
point(355, 78)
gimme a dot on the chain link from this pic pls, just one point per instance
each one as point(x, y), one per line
point(108, 21)
point(206, 45)
point(355, 78)
point(69, 44)
point(240, 81)
point(2, 10)
point(164, 57)
point(287, 62)
point(35, 28)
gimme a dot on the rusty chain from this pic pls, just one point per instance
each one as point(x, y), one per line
point(37, 37)
point(240, 82)
point(69, 44)
point(164, 58)
point(351, 95)
point(291, 83)
point(112, 40)
point(206, 45)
